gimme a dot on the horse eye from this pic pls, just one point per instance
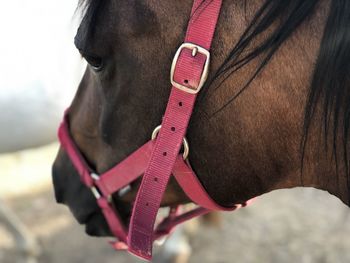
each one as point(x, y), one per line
point(95, 63)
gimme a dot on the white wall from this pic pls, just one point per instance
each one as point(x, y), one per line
point(39, 70)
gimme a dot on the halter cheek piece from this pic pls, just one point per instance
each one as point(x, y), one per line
point(159, 158)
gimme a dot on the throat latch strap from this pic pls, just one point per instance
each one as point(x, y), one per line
point(188, 75)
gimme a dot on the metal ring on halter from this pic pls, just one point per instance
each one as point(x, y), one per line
point(185, 142)
point(94, 189)
point(96, 192)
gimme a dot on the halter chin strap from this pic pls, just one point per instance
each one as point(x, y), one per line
point(123, 174)
point(159, 158)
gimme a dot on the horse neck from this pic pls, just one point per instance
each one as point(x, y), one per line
point(253, 145)
point(324, 166)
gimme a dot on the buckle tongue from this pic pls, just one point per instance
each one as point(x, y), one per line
point(195, 50)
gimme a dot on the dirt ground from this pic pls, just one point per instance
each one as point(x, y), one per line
point(299, 225)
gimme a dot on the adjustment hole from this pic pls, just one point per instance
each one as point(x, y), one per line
point(173, 129)
point(180, 103)
point(147, 204)
point(155, 179)
point(165, 153)
point(186, 81)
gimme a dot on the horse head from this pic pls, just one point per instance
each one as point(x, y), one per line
point(248, 124)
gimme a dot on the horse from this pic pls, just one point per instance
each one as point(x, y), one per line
point(273, 114)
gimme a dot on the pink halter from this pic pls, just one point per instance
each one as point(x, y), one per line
point(158, 159)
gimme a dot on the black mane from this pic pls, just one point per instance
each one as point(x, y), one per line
point(89, 10)
point(330, 85)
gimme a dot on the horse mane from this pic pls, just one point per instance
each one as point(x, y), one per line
point(330, 84)
point(89, 10)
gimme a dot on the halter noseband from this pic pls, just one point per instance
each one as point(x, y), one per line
point(159, 158)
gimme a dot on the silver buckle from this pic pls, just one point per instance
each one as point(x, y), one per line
point(195, 49)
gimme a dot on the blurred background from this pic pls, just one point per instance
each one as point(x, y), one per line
point(39, 72)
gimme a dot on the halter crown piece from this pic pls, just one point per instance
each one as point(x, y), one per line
point(159, 158)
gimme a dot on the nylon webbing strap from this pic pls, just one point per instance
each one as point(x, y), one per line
point(188, 71)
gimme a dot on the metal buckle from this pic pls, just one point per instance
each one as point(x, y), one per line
point(195, 49)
